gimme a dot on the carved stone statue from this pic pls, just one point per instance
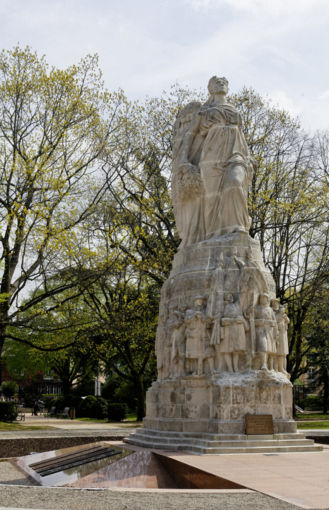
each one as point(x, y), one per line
point(178, 344)
point(221, 348)
point(266, 332)
point(195, 331)
point(214, 148)
point(282, 345)
point(233, 335)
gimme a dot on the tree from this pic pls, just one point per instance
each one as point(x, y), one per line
point(316, 332)
point(54, 127)
point(126, 311)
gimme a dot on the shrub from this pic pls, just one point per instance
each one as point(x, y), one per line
point(9, 389)
point(49, 400)
point(116, 412)
point(92, 407)
point(312, 403)
point(8, 411)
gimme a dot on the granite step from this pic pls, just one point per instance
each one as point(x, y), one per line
point(237, 443)
point(220, 437)
point(308, 445)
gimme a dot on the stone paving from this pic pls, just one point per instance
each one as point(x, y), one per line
point(17, 491)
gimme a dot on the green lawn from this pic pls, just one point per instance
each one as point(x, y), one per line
point(312, 416)
point(18, 426)
point(130, 418)
point(313, 424)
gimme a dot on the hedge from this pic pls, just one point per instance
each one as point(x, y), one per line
point(116, 412)
point(8, 411)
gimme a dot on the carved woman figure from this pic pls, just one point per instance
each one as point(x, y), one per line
point(266, 332)
point(195, 334)
point(233, 336)
point(225, 164)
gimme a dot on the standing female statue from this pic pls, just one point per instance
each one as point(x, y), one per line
point(223, 163)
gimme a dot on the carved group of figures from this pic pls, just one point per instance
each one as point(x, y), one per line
point(194, 343)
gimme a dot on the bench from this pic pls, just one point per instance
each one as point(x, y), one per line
point(20, 416)
point(65, 413)
point(52, 412)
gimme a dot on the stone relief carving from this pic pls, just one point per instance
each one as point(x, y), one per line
point(160, 343)
point(266, 332)
point(233, 336)
point(177, 357)
point(195, 333)
point(282, 344)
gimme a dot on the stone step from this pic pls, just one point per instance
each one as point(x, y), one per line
point(219, 437)
point(201, 449)
point(249, 440)
point(238, 443)
point(256, 449)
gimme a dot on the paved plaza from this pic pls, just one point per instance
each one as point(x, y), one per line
point(283, 481)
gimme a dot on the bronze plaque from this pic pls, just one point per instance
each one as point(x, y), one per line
point(259, 424)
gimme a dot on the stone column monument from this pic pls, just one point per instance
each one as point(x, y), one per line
point(221, 341)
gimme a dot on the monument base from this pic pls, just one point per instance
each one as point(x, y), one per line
point(218, 404)
point(206, 415)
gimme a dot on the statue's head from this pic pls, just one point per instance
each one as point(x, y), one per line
point(228, 298)
point(218, 85)
point(275, 304)
point(199, 301)
point(264, 299)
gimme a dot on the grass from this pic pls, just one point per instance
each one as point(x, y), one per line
point(313, 424)
point(17, 426)
point(312, 416)
point(130, 418)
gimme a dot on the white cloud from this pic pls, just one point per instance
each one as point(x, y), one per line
point(324, 95)
point(279, 47)
point(281, 99)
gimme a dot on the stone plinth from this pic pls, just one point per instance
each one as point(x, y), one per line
point(218, 404)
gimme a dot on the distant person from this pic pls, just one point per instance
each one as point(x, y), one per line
point(35, 408)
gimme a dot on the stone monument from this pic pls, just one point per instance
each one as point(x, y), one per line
point(221, 341)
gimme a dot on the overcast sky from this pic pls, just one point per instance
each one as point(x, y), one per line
point(279, 47)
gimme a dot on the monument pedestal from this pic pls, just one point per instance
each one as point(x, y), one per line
point(222, 340)
point(218, 404)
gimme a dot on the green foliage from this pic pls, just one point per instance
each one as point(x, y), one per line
point(55, 124)
point(9, 389)
point(312, 403)
point(116, 411)
point(8, 411)
point(92, 407)
point(49, 400)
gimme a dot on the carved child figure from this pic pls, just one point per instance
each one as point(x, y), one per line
point(233, 336)
point(195, 334)
point(266, 332)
